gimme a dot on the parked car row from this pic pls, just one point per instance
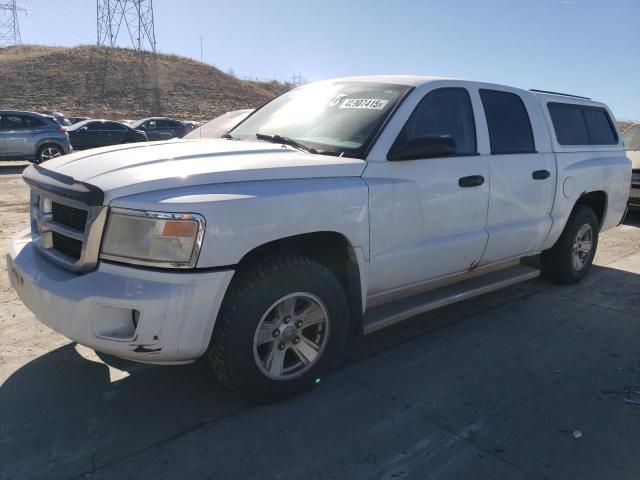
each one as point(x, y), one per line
point(39, 137)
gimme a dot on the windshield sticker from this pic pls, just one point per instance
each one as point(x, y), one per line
point(337, 99)
point(364, 103)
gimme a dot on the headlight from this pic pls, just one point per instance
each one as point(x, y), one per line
point(157, 239)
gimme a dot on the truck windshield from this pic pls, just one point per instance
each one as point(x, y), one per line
point(331, 117)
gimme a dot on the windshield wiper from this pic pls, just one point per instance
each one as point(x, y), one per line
point(286, 141)
point(228, 136)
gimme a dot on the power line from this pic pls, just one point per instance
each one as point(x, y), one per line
point(133, 16)
point(9, 25)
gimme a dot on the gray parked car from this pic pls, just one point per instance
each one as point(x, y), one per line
point(31, 136)
point(161, 128)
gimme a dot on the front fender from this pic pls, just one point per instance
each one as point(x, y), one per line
point(245, 215)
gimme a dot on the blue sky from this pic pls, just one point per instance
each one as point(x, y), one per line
point(585, 47)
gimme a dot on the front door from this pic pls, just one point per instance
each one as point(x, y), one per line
point(428, 215)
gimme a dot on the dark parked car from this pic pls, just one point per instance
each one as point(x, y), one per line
point(31, 136)
point(75, 120)
point(161, 128)
point(100, 133)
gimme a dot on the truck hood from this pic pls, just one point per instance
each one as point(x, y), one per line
point(634, 156)
point(136, 168)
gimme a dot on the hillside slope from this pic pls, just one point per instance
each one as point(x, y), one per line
point(115, 83)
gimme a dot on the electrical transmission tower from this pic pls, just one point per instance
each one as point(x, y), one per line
point(135, 16)
point(9, 26)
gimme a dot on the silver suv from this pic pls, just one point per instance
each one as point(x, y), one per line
point(31, 136)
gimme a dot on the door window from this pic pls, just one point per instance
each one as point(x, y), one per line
point(11, 122)
point(113, 127)
point(445, 111)
point(94, 126)
point(508, 122)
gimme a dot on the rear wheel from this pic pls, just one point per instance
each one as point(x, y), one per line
point(570, 259)
point(282, 327)
point(49, 151)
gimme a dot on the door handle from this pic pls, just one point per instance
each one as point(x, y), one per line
point(471, 181)
point(541, 174)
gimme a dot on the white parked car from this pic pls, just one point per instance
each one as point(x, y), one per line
point(631, 137)
point(219, 126)
point(341, 206)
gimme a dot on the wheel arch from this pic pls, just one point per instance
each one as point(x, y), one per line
point(597, 201)
point(331, 249)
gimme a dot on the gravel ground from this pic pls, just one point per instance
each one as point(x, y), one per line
point(528, 382)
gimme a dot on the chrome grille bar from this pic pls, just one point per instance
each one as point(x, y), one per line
point(43, 227)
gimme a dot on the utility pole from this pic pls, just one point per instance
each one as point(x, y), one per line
point(9, 26)
point(134, 16)
point(200, 48)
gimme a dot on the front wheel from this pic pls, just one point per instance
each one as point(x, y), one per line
point(282, 327)
point(570, 259)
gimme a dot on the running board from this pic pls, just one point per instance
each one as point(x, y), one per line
point(391, 313)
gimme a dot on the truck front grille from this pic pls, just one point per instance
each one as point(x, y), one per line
point(66, 231)
point(69, 246)
point(69, 216)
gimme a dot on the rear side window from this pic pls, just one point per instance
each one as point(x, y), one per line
point(508, 121)
point(445, 111)
point(113, 127)
point(168, 124)
point(582, 125)
point(20, 121)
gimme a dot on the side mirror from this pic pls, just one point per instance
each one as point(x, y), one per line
point(428, 146)
point(84, 129)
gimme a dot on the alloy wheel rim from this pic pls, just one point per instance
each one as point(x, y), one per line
point(291, 336)
point(582, 247)
point(49, 153)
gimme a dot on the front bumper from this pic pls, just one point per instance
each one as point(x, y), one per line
point(138, 314)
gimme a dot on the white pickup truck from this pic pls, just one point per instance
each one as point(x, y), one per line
point(342, 206)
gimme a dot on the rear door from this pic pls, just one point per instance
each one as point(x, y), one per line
point(114, 133)
point(169, 129)
point(523, 174)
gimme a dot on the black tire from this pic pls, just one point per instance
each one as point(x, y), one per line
point(557, 262)
point(252, 292)
point(44, 148)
